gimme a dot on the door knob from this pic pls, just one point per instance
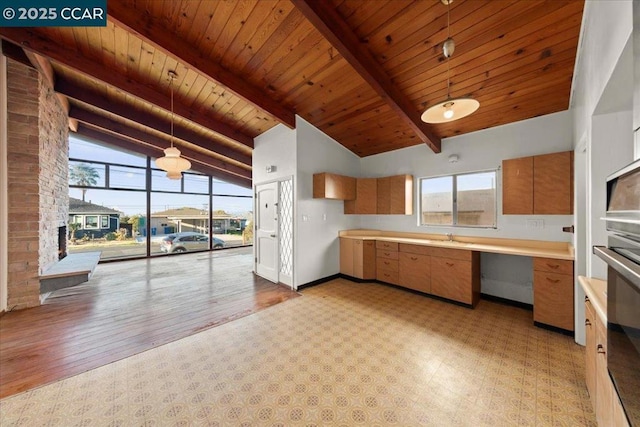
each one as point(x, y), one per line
point(273, 235)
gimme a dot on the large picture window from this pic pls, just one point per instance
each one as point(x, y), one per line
point(462, 200)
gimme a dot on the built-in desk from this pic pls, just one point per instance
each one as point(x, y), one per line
point(451, 268)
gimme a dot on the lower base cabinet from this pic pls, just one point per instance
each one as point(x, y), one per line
point(358, 258)
point(553, 293)
point(414, 263)
point(455, 275)
point(603, 396)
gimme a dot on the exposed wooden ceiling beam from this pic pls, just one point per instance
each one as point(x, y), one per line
point(69, 89)
point(16, 53)
point(151, 31)
point(152, 151)
point(38, 42)
point(113, 127)
point(325, 18)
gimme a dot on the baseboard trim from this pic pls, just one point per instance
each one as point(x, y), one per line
point(554, 329)
point(320, 281)
point(506, 301)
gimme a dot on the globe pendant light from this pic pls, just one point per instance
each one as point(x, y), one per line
point(451, 108)
point(172, 163)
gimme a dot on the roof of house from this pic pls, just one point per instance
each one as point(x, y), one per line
point(77, 206)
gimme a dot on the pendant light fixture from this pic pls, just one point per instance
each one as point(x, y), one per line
point(451, 108)
point(172, 163)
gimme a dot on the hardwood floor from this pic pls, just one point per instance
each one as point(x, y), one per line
point(127, 308)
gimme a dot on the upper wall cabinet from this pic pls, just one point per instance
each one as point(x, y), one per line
point(332, 186)
point(539, 185)
point(366, 197)
point(395, 195)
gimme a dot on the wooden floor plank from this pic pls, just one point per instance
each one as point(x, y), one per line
point(126, 308)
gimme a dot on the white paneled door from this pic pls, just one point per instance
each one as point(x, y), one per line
point(266, 237)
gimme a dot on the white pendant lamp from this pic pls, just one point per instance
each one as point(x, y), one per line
point(172, 162)
point(451, 108)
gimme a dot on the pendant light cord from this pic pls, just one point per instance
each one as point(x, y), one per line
point(448, 56)
point(171, 77)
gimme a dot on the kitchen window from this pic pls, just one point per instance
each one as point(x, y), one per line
point(461, 200)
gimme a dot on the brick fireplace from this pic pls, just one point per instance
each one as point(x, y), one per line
point(38, 169)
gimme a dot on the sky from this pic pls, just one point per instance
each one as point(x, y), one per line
point(134, 202)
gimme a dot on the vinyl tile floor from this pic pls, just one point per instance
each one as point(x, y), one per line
point(343, 354)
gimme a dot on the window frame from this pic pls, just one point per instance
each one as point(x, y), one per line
point(86, 225)
point(454, 207)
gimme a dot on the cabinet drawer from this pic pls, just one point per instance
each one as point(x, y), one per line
point(553, 299)
point(387, 264)
point(386, 275)
point(560, 266)
point(389, 246)
point(461, 254)
point(415, 272)
point(414, 249)
point(388, 254)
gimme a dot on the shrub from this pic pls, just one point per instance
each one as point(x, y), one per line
point(111, 236)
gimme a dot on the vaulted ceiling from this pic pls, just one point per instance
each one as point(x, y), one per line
point(362, 71)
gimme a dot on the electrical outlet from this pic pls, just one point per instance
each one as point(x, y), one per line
point(535, 223)
point(305, 218)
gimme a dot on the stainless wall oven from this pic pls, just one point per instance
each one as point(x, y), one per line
point(622, 256)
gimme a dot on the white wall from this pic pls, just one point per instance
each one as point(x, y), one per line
point(319, 220)
point(503, 276)
point(4, 219)
point(601, 72)
point(477, 151)
point(276, 147)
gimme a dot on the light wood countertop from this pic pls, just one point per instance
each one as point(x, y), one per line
point(532, 248)
point(596, 291)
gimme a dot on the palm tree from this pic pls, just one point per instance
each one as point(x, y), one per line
point(83, 175)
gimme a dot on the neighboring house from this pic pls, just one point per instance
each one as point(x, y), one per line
point(192, 219)
point(93, 220)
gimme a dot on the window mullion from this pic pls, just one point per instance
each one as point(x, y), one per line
point(454, 209)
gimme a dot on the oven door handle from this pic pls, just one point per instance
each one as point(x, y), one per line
point(627, 268)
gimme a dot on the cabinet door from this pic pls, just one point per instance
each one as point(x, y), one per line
point(364, 259)
point(366, 197)
point(590, 351)
point(604, 392)
point(452, 279)
point(553, 299)
point(401, 195)
point(552, 184)
point(415, 272)
point(384, 195)
point(346, 256)
point(517, 186)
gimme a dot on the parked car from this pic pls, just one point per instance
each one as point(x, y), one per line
point(188, 241)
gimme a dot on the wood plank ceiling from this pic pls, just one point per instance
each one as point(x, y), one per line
point(361, 71)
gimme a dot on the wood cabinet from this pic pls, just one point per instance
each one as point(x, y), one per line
point(553, 293)
point(387, 265)
point(455, 275)
point(366, 201)
point(553, 184)
point(605, 401)
point(540, 185)
point(590, 350)
point(333, 186)
point(395, 195)
point(358, 258)
point(517, 186)
point(603, 396)
point(414, 262)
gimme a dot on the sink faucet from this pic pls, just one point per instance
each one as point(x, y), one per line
point(450, 237)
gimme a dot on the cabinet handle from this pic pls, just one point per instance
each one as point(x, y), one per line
point(386, 263)
point(450, 264)
point(587, 322)
point(554, 266)
point(387, 253)
point(413, 258)
point(553, 280)
point(586, 298)
point(601, 349)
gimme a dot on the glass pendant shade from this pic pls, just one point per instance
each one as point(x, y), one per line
point(450, 110)
point(172, 163)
